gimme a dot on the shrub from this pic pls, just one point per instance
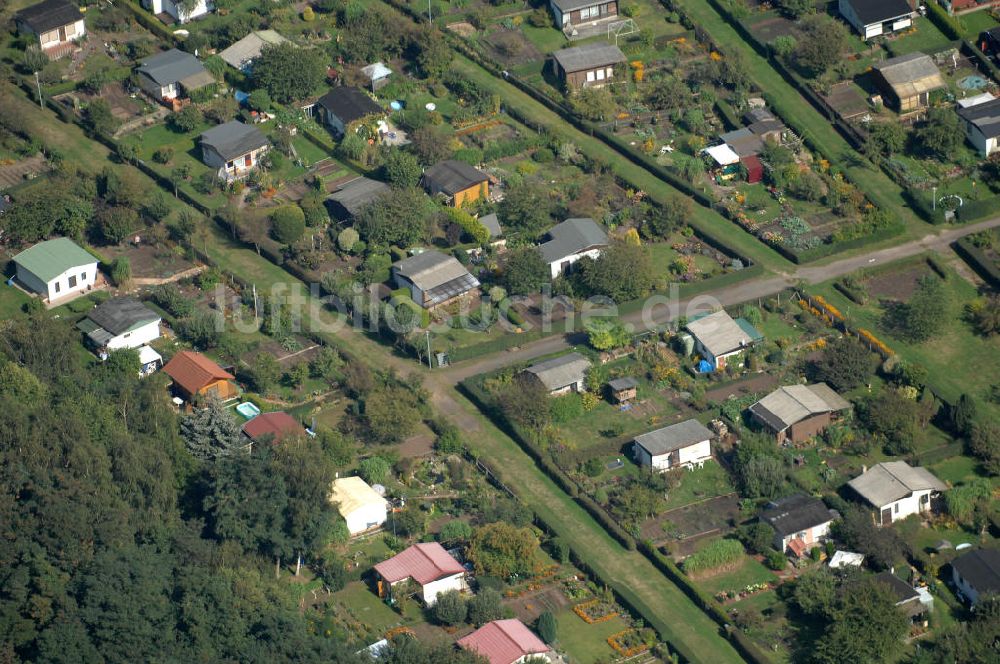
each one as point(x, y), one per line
point(163, 155)
point(374, 470)
point(547, 627)
point(347, 239)
point(451, 608)
point(186, 119)
point(288, 223)
point(776, 560)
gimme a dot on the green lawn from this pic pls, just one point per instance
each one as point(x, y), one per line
point(709, 481)
point(585, 643)
point(977, 22)
point(750, 571)
point(958, 360)
point(956, 470)
point(367, 609)
point(927, 39)
point(11, 302)
point(546, 39)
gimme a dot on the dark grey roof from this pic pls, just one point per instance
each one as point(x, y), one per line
point(172, 66)
point(743, 142)
point(120, 314)
point(492, 224)
point(349, 104)
point(623, 383)
point(356, 194)
point(876, 11)
point(796, 513)
point(233, 139)
point(572, 5)
point(561, 371)
point(980, 569)
point(985, 117)
point(903, 591)
point(452, 177)
point(588, 56)
point(440, 277)
point(572, 237)
point(673, 437)
point(758, 115)
point(49, 15)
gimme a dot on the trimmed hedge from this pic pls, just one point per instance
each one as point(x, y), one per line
point(978, 261)
point(945, 23)
point(150, 22)
point(972, 210)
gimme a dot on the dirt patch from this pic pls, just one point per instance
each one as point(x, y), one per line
point(512, 48)
point(22, 169)
point(686, 525)
point(899, 285)
point(148, 261)
point(287, 357)
point(752, 385)
point(770, 28)
point(528, 607)
point(416, 446)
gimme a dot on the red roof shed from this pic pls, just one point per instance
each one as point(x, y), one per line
point(504, 641)
point(278, 425)
point(424, 563)
point(755, 170)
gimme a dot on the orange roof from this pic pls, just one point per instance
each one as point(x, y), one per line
point(798, 547)
point(193, 371)
point(425, 562)
point(277, 424)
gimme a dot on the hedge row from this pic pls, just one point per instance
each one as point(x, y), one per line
point(980, 262)
point(747, 648)
point(150, 22)
point(825, 250)
point(471, 389)
point(938, 15)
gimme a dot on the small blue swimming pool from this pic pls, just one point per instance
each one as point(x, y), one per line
point(973, 82)
point(248, 410)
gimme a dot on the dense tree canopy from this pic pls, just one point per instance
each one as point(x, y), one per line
point(399, 218)
point(288, 72)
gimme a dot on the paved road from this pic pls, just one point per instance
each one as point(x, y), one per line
point(743, 292)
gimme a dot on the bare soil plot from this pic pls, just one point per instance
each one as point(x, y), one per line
point(769, 28)
point(512, 48)
point(685, 525)
point(754, 384)
point(14, 174)
point(897, 285)
point(148, 261)
point(529, 606)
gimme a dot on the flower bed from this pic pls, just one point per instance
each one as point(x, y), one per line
point(628, 643)
point(596, 611)
point(750, 590)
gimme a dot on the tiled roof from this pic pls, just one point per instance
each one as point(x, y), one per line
point(424, 563)
point(503, 641)
point(193, 371)
point(277, 425)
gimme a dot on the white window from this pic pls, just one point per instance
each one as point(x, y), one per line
point(58, 286)
point(895, 508)
point(611, 72)
point(600, 74)
point(588, 13)
point(590, 77)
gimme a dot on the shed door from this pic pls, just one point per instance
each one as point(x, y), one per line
point(886, 516)
point(674, 459)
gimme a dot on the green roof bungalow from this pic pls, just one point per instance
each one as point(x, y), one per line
point(56, 269)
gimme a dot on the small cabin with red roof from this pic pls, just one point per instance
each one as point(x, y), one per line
point(195, 375)
point(754, 169)
point(505, 642)
point(430, 567)
point(272, 427)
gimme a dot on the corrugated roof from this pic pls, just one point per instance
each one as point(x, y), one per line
point(719, 333)
point(243, 52)
point(624, 383)
point(911, 75)
point(451, 177)
point(47, 260)
point(890, 481)
point(560, 371)
point(793, 403)
point(431, 269)
point(356, 194)
point(673, 437)
point(980, 569)
point(175, 66)
point(233, 139)
point(504, 641)
point(353, 493)
point(121, 314)
point(722, 154)
point(572, 237)
point(192, 371)
point(588, 56)
point(349, 104)
point(424, 563)
point(796, 513)
point(376, 71)
point(49, 15)
point(278, 425)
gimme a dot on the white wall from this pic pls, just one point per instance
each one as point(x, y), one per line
point(810, 536)
point(136, 338)
point(985, 146)
point(159, 6)
point(239, 168)
point(692, 455)
point(86, 276)
point(555, 268)
point(907, 506)
point(435, 588)
point(366, 517)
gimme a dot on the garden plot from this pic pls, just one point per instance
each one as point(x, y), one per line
point(150, 262)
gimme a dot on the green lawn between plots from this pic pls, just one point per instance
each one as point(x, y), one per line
point(709, 481)
point(958, 360)
point(585, 643)
point(750, 571)
point(367, 609)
